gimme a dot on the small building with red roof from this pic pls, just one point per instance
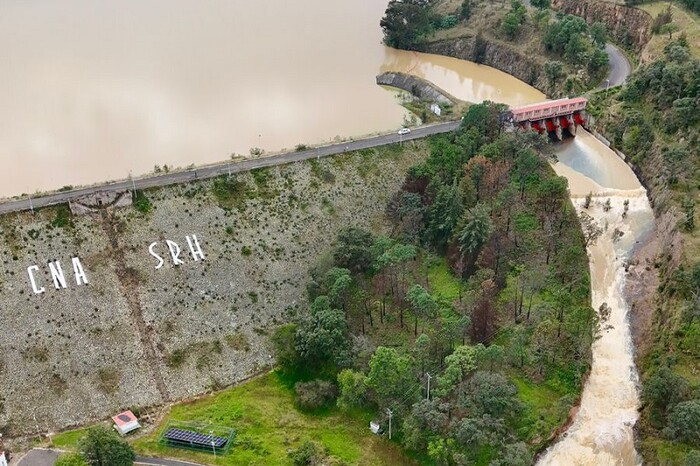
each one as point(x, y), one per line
point(124, 423)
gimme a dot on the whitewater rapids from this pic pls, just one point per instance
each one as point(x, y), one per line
point(602, 430)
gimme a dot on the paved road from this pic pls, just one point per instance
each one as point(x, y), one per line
point(39, 457)
point(224, 168)
point(42, 457)
point(620, 67)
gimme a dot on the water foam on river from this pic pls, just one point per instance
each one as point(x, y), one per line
point(602, 429)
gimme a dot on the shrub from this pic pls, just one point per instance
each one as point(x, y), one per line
point(306, 455)
point(63, 217)
point(315, 394)
point(142, 203)
point(684, 423)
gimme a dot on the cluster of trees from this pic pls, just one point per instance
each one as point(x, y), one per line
point(99, 447)
point(670, 87)
point(577, 43)
point(488, 205)
point(407, 23)
point(514, 19)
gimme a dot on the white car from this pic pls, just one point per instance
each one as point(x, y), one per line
point(403, 131)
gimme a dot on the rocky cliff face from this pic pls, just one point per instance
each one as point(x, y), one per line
point(495, 54)
point(144, 330)
point(628, 26)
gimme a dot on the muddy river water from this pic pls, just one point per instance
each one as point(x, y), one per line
point(93, 90)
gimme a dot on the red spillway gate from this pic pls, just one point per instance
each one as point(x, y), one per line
point(557, 117)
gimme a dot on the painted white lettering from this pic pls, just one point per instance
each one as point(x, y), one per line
point(30, 271)
point(195, 250)
point(154, 254)
point(78, 271)
point(59, 280)
point(174, 252)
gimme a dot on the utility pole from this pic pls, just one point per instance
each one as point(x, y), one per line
point(31, 206)
point(213, 445)
point(133, 184)
point(429, 377)
point(389, 413)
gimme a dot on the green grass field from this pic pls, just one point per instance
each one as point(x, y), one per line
point(267, 427)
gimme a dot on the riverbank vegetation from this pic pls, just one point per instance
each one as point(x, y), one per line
point(653, 120)
point(571, 52)
point(469, 326)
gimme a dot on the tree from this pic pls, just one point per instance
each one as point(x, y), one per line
point(669, 28)
point(405, 23)
point(490, 393)
point(353, 389)
point(391, 377)
point(511, 25)
point(553, 70)
point(541, 4)
point(444, 214)
point(693, 458)
point(353, 250)
point(422, 303)
point(514, 454)
point(598, 61)
point(71, 459)
point(476, 231)
point(338, 283)
point(466, 9)
point(599, 34)
point(283, 340)
point(461, 362)
point(103, 447)
point(428, 419)
point(322, 336)
point(663, 389)
point(591, 229)
point(684, 423)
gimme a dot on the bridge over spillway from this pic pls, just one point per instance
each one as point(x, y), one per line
point(556, 117)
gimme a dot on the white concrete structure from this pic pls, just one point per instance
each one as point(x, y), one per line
point(125, 422)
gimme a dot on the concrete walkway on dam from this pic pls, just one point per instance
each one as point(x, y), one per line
point(212, 171)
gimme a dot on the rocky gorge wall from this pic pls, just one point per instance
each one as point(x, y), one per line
point(527, 68)
point(143, 331)
point(628, 26)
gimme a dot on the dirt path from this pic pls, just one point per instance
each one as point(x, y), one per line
point(128, 280)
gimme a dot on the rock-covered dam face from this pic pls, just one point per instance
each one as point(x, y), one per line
point(125, 308)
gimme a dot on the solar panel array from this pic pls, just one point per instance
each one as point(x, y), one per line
point(188, 437)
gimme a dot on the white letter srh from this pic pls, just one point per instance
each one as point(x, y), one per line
point(154, 254)
point(197, 253)
point(174, 252)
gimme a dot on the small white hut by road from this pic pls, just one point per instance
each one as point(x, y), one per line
point(124, 423)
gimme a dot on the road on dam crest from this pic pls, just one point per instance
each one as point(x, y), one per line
point(226, 168)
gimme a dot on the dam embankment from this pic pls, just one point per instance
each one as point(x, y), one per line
point(133, 307)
